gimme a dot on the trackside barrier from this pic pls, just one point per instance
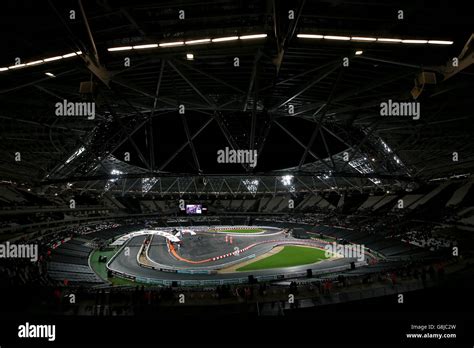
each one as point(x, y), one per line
point(124, 275)
point(224, 227)
point(193, 271)
point(123, 239)
point(214, 271)
point(167, 270)
point(140, 252)
point(114, 256)
point(241, 280)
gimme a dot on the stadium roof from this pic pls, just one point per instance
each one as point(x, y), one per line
point(292, 96)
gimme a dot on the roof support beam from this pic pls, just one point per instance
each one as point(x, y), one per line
point(306, 87)
point(356, 150)
point(181, 148)
point(150, 119)
point(190, 142)
point(301, 144)
point(466, 58)
point(321, 120)
point(193, 86)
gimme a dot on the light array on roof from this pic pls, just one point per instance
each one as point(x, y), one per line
point(109, 182)
point(362, 165)
point(325, 176)
point(141, 47)
point(360, 38)
point(251, 185)
point(171, 44)
point(287, 180)
point(41, 61)
point(388, 150)
point(254, 36)
point(385, 146)
point(228, 38)
point(189, 42)
point(335, 37)
point(75, 154)
point(375, 39)
point(148, 183)
point(138, 47)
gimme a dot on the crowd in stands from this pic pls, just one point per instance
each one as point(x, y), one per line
point(143, 300)
point(403, 225)
point(33, 218)
point(425, 237)
point(17, 271)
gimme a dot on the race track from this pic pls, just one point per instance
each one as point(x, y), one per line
point(200, 258)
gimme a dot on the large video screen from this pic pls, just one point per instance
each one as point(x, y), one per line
point(193, 209)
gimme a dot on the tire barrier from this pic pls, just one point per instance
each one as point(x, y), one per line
point(237, 280)
point(217, 228)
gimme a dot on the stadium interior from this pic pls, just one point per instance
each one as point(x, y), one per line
point(113, 115)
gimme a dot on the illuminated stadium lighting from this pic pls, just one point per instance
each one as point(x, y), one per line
point(358, 53)
point(385, 146)
point(50, 74)
point(171, 44)
point(141, 47)
point(123, 48)
point(53, 58)
point(397, 159)
point(197, 42)
point(189, 56)
point(109, 183)
point(309, 36)
point(335, 37)
point(440, 42)
point(287, 180)
point(148, 183)
point(360, 38)
point(251, 185)
point(40, 61)
point(228, 38)
point(16, 66)
point(364, 167)
point(254, 36)
point(75, 154)
point(36, 62)
point(415, 41)
point(69, 55)
point(388, 40)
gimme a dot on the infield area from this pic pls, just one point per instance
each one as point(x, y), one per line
point(289, 256)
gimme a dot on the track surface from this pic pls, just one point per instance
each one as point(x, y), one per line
point(209, 245)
